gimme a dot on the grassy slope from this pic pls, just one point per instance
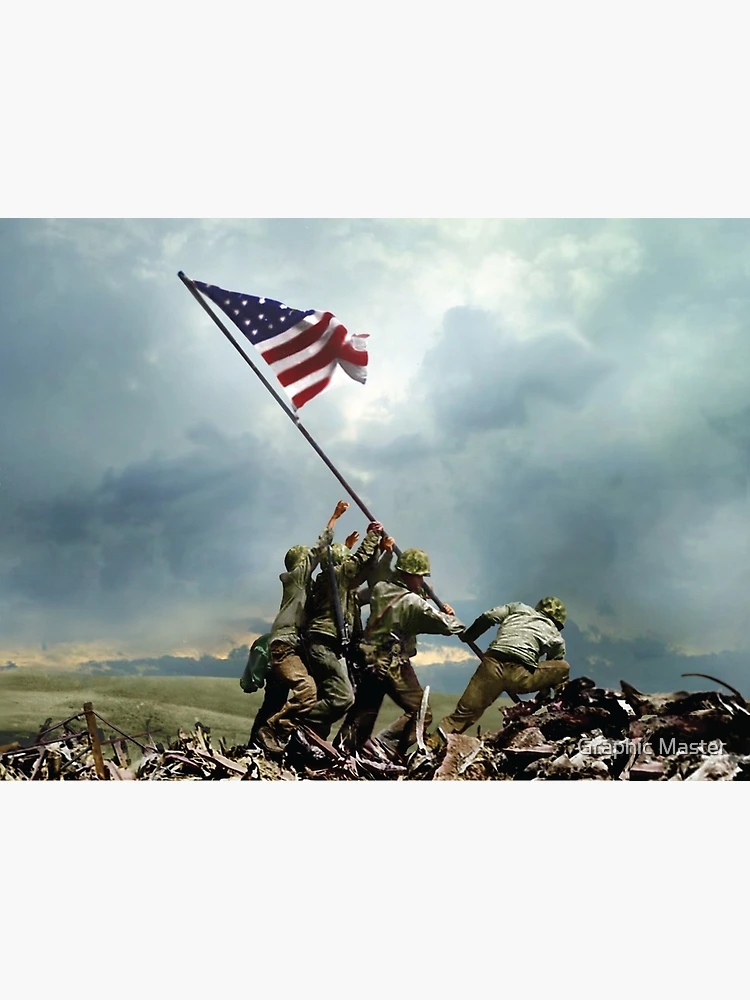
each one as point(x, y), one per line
point(134, 704)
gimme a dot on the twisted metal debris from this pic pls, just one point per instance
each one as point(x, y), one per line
point(586, 733)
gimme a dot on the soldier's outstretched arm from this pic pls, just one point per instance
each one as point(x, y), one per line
point(355, 568)
point(480, 625)
point(341, 508)
point(418, 616)
point(382, 568)
point(378, 570)
point(327, 535)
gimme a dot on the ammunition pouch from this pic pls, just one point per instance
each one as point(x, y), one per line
point(384, 657)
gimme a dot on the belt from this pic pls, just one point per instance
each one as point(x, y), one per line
point(502, 656)
point(324, 639)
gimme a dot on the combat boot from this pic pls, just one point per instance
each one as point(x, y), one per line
point(377, 749)
point(436, 741)
point(270, 738)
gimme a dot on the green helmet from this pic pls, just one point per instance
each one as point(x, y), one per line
point(295, 555)
point(339, 551)
point(415, 562)
point(553, 608)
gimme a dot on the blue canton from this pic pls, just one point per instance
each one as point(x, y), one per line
point(259, 319)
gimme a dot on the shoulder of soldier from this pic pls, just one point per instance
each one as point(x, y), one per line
point(418, 602)
point(302, 573)
point(519, 608)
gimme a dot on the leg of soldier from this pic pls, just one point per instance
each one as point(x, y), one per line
point(549, 674)
point(289, 668)
point(273, 700)
point(335, 695)
point(487, 684)
point(360, 720)
point(404, 688)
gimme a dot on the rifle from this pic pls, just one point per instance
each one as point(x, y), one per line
point(342, 626)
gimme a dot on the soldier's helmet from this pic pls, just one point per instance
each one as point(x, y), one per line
point(295, 555)
point(339, 551)
point(414, 561)
point(553, 608)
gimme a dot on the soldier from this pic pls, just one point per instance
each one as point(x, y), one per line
point(398, 613)
point(290, 690)
point(324, 644)
point(511, 662)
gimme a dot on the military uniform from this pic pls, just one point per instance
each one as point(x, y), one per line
point(397, 616)
point(511, 663)
point(290, 689)
point(335, 694)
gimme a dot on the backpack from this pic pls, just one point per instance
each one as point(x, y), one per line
point(258, 665)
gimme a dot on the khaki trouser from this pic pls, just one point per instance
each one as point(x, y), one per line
point(403, 687)
point(335, 695)
point(494, 677)
point(288, 669)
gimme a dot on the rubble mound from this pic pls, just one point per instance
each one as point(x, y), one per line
point(587, 733)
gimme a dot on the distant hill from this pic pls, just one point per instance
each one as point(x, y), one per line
point(137, 704)
point(644, 662)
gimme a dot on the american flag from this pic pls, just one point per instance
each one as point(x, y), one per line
point(302, 348)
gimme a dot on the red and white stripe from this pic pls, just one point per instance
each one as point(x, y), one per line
point(304, 357)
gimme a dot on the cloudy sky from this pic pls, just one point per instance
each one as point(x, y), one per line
point(552, 407)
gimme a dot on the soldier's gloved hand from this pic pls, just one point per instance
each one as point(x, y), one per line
point(375, 526)
point(351, 540)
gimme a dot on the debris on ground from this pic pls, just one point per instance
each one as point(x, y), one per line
point(586, 733)
point(64, 752)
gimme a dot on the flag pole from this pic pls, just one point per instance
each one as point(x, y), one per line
point(296, 421)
